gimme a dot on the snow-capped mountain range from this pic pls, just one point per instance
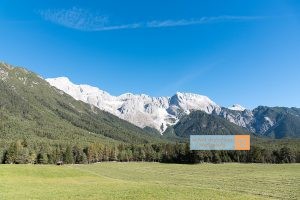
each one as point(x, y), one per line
point(161, 112)
point(141, 110)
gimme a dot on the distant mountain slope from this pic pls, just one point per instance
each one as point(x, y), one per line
point(241, 118)
point(277, 122)
point(201, 123)
point(273, 122)
point(31, 108)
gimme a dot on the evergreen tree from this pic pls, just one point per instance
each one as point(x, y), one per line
point(32, 157)
point(114, 154)
point(10, 154)
point(122, 156)
point(42, 158)
point(84, 159)
point(287, 155)
point(68, 156)
point(150, 153)
point(216, 157)
point(142, 154)
point(106, 153)
point(256, 155)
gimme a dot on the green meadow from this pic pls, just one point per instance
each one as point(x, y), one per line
point(150, 181)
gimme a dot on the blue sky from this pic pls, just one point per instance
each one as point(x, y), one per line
point(245, 52)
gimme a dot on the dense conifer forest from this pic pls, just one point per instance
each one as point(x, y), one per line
point(21, 152)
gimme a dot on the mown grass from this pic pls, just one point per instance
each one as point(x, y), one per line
point(150, 181)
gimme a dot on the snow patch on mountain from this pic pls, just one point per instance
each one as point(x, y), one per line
point(237, 107)
point(3, 74)
point(269, 121)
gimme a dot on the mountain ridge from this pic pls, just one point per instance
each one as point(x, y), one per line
point(162, 112)
point(141, 110)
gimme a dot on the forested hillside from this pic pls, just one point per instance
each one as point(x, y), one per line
point(33, 110)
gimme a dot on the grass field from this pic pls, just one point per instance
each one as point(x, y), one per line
point(150, 181)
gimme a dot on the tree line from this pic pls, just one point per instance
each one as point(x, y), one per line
point(20, 152)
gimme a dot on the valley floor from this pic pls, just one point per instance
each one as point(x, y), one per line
point(150, 181)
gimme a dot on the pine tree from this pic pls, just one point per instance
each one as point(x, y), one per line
point(114, 154)
point(216, 157)
point(84, 159)
point(42, 158)
point(32, 157)
point(105, 153)
point(122, 156)
point(68, 156)
point(287, 155)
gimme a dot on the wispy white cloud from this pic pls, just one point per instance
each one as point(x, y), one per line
point(80, 19)
point(203, 20)
point(75, 18)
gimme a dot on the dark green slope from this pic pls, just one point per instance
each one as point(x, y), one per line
point(30, 108)
point(201, 123)
point(286, 121)
point(288, 127)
